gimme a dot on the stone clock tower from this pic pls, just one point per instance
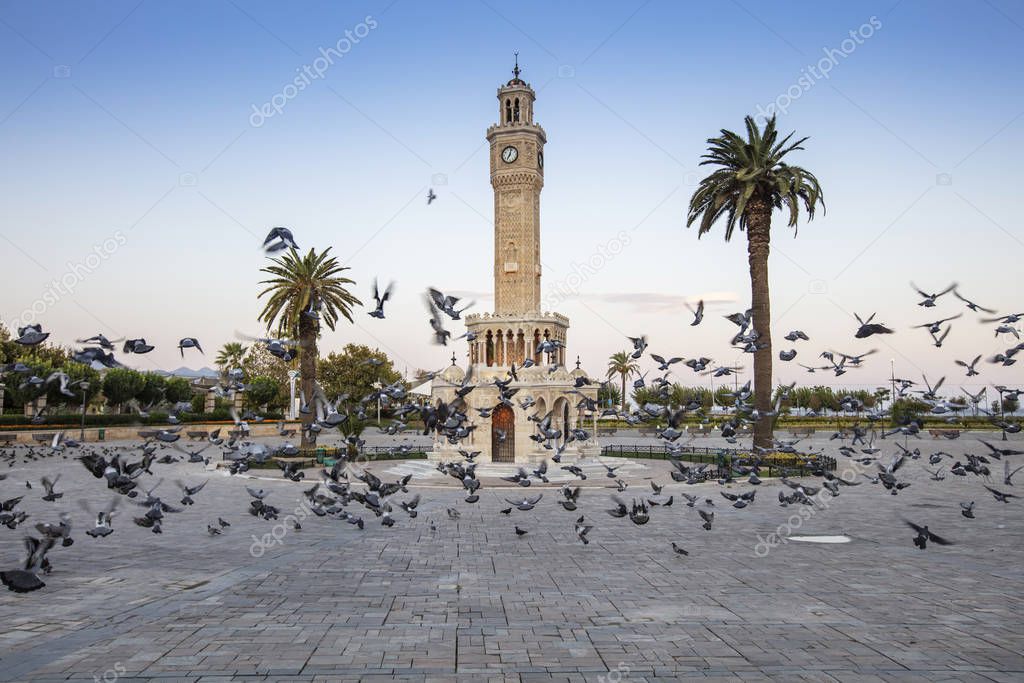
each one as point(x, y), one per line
point(517, 176)
point(518, 343)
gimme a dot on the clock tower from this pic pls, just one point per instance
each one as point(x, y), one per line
point(517, 176)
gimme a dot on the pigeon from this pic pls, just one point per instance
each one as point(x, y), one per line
point(708, 518)
point(698, 314)
point(787, 355)
point(189, 343)
point(430, 196)
point(967, 510)
point(525, 504)
point(378, 311)
point(278, 239)
point(102, 527)
point(999, 495)
point(31, 335)
point(679, 550)
point(971, 305)
point(138, 346)
point(520, 532)
point(924, 535)
point(48, 485)
point(929, 299)
point(867, 328)
point(971, 372)
point(796, 334)
point(582, 530)
point(26, 579)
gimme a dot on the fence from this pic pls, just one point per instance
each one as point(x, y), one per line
point(725, 458)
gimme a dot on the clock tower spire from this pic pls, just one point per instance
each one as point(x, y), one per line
point(517, 176)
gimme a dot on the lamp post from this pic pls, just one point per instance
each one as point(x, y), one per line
point(293, 375)
point(378, 386)
point(892, 378)
point(85, 388)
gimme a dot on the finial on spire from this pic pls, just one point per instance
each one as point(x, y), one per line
point(577, 362)
point(453, 358)
point(515, 70)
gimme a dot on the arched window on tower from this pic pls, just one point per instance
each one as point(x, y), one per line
point(508, 111)
point(515, 112)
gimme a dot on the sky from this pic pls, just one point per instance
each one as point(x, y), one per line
point(148, 147)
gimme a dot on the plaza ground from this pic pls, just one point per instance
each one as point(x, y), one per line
point(471, 601)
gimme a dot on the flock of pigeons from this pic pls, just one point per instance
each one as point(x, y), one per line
point(351, 494)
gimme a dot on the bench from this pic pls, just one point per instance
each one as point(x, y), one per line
point(947, 433)
point(802, 432)
point(42, 438)
point(8, 438)
point(197, 435)
point(700, 431)
point(147, 433)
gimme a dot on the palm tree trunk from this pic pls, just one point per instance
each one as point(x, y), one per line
point(307, 373)
point(623, 375)
point(758, 239)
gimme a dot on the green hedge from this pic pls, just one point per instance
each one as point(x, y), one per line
point(155, 418)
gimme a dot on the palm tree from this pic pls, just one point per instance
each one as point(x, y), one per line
point(230, 356)
point(750, 182)
point(306, 291)
point(623, 365)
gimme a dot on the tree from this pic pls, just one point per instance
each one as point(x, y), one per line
point(77, 373)
point(262, 391)
point(352, 372)
point(608, 394)
point(750, 182)
point(230, 357)
point(121, 385)
point(153, 389)
point(259, 362)
point(303, 292)
point(178, 390)
point(623, 365)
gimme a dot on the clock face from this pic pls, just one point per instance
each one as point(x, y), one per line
point(540, 159)
point(509, 154)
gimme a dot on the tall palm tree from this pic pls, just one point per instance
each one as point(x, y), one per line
point(750, 182)
point(230, 356)
point(623, 365)
point(306, 291)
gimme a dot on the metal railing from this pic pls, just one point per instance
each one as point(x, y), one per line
point(725, 458)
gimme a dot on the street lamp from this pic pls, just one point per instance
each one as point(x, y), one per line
point(85, 388)
point(292, 376)
point(378, 386)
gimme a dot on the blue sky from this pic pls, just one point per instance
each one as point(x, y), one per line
point(129, 124)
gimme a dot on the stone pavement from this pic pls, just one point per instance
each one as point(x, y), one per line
point(471, 601)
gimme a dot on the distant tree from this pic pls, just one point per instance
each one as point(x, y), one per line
point(352, 372)
point(608, 395)
point(153, 389)
point(623, 365)
point(263, 392)
point(906, 409)
point(1009, 405)
point(121, 385)
point(259, 362)
point(178, 390)
point(230, 357)
point(77, 373)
